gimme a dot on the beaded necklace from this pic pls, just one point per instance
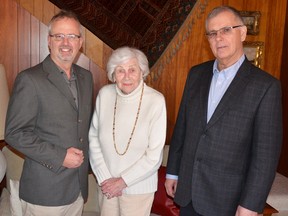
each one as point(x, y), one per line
point(135, 123)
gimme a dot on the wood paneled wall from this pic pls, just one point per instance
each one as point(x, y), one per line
point(188, 48)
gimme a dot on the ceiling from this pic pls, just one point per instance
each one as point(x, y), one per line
point(146, 24)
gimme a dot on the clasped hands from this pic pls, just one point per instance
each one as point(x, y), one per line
point(113, 187)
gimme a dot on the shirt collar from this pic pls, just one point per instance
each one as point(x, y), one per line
point(230, 71)
point(72, 74)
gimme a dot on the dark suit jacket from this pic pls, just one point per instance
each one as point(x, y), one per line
point(232, 159)
point(42, 122)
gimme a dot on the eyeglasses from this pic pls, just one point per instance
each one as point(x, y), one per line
point(223, 31)
point(60, 37)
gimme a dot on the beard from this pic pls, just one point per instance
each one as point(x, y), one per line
point(66, 53)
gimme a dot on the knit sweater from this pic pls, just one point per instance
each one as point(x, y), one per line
point(138, 166)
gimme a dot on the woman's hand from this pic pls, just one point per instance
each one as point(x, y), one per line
point(113, 187)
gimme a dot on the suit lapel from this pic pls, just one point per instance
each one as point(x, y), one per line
point(57, 80)
point(232, 94)
point(80, 85)
point(204, 94)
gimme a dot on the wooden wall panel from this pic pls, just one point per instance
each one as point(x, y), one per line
point(271, 29)
point(37, 9)
point(8, 40)
point(48, 11)
point(35, 41)
point(274, 36)
point(99, 77)
point(43, 42)
point(27, 4)
point(24, 39)
point(283, 163)
point(95, 47)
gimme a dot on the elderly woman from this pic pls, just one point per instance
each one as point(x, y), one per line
point(127, 135)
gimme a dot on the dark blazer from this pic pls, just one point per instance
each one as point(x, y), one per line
point(232, 159)
point(42, 122)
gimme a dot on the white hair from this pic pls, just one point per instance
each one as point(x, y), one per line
point(221, 9)
point(123, 54)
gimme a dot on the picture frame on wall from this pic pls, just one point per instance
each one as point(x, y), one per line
point(254, 51)
point(252, 21)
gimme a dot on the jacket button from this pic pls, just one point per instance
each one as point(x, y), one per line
point(81, 140)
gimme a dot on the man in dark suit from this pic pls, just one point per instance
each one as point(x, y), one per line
point(48, 121)
point(227, 139)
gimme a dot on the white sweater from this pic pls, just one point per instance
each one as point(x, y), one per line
point(138, 167)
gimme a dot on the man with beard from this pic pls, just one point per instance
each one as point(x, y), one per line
point(48, 120)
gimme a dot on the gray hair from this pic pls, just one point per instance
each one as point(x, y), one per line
point(220, 9)
point(123, 54)
point(62, 15)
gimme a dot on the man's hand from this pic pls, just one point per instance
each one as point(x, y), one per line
point(241, 211)
point(171, 186)
point(74, 158)
point(113, 187)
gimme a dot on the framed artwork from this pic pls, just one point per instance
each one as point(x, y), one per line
point(254, 51)
point(251, 20)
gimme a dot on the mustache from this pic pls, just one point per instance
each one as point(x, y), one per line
point(65, 47)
